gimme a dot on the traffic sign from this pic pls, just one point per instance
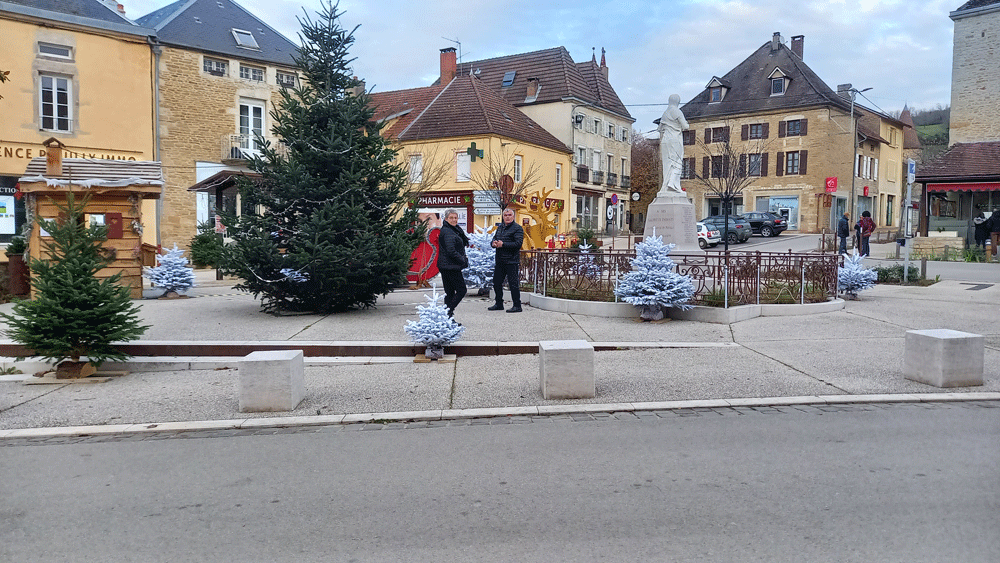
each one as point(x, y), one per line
point(485, 209)
point(911, 170)
point(486, 196)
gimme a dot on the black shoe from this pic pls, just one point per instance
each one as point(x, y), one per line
point(514, 309)
point(497, 307)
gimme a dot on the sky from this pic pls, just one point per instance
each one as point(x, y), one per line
point(902, 50)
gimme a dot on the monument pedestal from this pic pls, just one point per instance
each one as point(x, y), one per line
point(673, 219)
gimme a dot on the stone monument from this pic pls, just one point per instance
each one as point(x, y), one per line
point(671, 214)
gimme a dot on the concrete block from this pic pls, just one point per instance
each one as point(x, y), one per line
point(272, 380)
point(566, 369)
point(944, 358)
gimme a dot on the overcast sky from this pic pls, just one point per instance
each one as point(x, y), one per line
point(902, 50)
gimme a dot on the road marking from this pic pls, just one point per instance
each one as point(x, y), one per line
point(977, 286)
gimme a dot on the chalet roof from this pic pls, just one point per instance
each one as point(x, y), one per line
point(559, 78)
point(750, 87)
point(87, 13)
point(963, 161)
point(96, 173)
point(910, 138)
point(465, 107)
point(207, 25)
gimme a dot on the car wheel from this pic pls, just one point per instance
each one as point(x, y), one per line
point(732, 238)
point(701, 243)
point(766, 231)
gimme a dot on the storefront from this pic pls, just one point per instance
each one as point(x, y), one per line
point(432, 207)
point(786, 206)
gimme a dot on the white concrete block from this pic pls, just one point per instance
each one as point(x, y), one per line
point(271, 380)
point(944, 358)
point(566, 369)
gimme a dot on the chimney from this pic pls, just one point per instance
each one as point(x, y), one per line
point(121, 9)
point(359, 87)
point(797, 44)
point(532, 93)
point(844, 90)
point(449, 65)
point(53, 157)
point(776, 41)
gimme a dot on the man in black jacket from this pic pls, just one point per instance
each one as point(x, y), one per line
point(844, 231)
point(508, 240)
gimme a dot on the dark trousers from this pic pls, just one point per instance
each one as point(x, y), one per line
point(843, 244)
point(454, 288)
point(510, 272)
point(865, 251)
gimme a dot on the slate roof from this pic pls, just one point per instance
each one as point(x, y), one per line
point(963, 162)
point(910, 138)
point(88, 13)
point(750, 90)
point(465, 107)
point(206, 25)
point(559, 77)
point(974, 4)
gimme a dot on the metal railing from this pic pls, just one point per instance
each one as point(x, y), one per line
point(597, 177)
point(612, 179)
point(720, 279)
point(626, 182)
point(582, 174)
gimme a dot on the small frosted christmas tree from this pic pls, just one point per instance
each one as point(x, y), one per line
point(435, 329)
point(482, 259)
point(173, 273)
point(854, 277)
point(652, 284)
point(586, 266)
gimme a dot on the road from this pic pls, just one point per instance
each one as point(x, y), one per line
point(891, 482)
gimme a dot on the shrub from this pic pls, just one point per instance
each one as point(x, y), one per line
point(206, 246)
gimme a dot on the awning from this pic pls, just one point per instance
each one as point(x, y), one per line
point(965, 187)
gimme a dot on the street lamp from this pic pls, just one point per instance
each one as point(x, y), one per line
point(854, 152)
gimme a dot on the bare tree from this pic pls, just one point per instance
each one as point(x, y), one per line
point(501, 181)
point(645, 172)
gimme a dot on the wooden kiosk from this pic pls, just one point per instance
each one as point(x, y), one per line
point(116, 189)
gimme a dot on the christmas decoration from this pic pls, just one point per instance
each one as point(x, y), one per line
point(586, 266)
point(73, 313)
point(482, 259)
point(854, 277)
point(435, 329)
point(173, 273)
point(652, 284)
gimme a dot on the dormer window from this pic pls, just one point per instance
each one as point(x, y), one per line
point(716, 94)
point(779, 82)
point(245, 39)
point(716, 90)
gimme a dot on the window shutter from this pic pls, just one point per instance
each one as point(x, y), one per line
point(765, 127)
point(803, 124)
point(742, 170)
point(705, 163)
point(802, 161)
point(708, 135)
point(779, 170)
point(763, 162)
point(781, 129)
point(725, 134)
point(875, 170)
point(745, 132)
point(688, 137)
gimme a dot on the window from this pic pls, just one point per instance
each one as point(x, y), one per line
point(611, 130)
point(754, 162)
point(777, 86)
point(558, 176)
point(717, 167)
point(463, 164)
point(717, 135)
point(251, 73)
point(284, 79)
point(624, 134)
point(58, 51)
point(793, 128)
point(251, 124)
point(792, 162)
point(508, 78)
point(597, 126)
point(245, 39)
point(216, 67)
point(581, 156)
point(611, 163)
point(55, 103)
point(578, 120)
point(716, 94)
point(625, 170)
point(687, 168)
point(687, 137)
point(517, 168)
point(757, 131)
point(416, 168)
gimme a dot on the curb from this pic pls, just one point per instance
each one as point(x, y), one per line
point(459, 414)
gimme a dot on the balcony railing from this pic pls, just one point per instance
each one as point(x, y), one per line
point(612, 179)
point(597, 177)
point(626, 182)
point(245, 147)
point(582, 174)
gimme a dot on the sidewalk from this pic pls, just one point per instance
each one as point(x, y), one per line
point(844, 356)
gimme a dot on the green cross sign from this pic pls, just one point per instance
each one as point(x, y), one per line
point(473, 152)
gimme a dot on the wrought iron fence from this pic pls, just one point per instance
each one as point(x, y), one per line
point(720, 279)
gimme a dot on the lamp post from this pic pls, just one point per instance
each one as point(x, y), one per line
point(854, 153)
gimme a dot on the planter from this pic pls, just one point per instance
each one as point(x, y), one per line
point(434, 352)
point(17, 270)
point(68, 369)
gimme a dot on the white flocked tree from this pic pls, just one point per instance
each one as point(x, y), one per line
point(482, 259)
point(434, 329)
point(652, 284)
point(173, 273)
point(854, 277)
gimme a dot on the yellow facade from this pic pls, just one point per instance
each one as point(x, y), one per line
point(103, 108)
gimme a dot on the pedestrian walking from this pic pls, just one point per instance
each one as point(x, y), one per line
point(981, 225)
point(452, 243)
point(844, 231)
point(867, 228)
point(507, 240)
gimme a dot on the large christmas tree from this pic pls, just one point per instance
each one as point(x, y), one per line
point(327, 228)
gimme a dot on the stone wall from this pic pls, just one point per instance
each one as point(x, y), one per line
point(934, 247)
point(975, 78)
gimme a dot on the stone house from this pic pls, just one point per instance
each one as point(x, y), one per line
point(794, 135)
point(975, 73)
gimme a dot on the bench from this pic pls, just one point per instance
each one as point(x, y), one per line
point(271, 380)
point(566, 369)
point(944, 358)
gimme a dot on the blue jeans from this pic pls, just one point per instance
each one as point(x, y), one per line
point(843, 244)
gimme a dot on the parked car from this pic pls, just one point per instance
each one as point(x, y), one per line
point(738, 231)
point(765, 223)
point(708, 237)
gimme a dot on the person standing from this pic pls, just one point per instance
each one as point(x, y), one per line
point(981, 228)
point(452, 243)
point(507, 240)
point(867, 228)
point(995, 231)
point(844, 231)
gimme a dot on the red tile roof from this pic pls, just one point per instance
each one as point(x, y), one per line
point(963, 162)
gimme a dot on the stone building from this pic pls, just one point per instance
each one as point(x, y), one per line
point(975, 73)
point(218, 73)
point(794, 135)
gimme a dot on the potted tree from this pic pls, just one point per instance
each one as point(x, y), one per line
point(17, 267)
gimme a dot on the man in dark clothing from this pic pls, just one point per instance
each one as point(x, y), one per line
point(995, 231)
point(507, 240)
point(844, 231)
point(452, 260)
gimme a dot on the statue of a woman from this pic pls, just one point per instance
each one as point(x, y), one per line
point(672, 147)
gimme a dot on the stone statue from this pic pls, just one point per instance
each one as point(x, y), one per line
point(672, 147)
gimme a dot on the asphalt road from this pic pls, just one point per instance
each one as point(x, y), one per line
point(888, 482)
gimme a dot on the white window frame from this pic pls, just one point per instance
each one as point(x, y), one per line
point(611, 163)
point(463, 167)
point(245, 39)
point(624, 166)
point(793, 157)
point(558, 176)
point(54, 105)
point(518, 167)
point(285, 79)
point(778, 80)
point(874, 169)
point(250, 128)
point(252, 73)
point(220, 66)
point(750, 164)
point(581, 156)
point(611, 130)
point(596, 160)
point(416, 168)
point(53, 47)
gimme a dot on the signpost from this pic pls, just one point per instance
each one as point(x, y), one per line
point(911, 172)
